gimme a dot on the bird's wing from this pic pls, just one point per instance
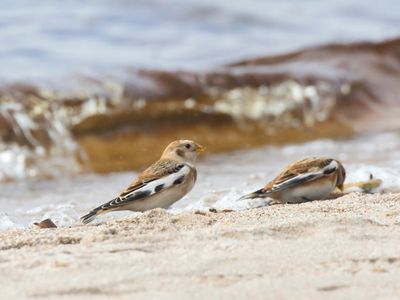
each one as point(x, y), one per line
point(301, 171)
point(157, 178)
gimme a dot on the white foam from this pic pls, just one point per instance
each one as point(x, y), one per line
point(7, 223)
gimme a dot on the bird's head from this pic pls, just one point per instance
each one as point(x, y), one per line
point(183, 151)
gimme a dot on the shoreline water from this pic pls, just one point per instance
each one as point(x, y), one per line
point(222, 178)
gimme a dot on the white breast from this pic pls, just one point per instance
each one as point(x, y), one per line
point(310, 192)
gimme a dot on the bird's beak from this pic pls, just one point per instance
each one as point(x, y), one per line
point(200, 148)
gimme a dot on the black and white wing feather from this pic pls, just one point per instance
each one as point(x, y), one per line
point(299, 172)
point(159, 177)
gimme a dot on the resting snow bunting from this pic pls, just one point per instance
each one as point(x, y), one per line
point(160, 185)
point(308, 179)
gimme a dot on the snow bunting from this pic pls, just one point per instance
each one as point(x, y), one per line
point(160, 185)
point(308, 179)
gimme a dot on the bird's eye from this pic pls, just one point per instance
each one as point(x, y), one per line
point(187, 146)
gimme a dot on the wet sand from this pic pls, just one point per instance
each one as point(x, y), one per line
point(347, 247)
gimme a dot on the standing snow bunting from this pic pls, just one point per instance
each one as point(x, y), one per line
point(160, 185)
point(308, 179)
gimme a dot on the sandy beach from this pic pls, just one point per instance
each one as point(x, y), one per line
point(335, 249)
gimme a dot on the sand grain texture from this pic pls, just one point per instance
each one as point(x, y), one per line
point(337, 249)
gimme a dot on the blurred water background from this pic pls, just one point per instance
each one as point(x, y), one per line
point(43, 39)
point(91, 88)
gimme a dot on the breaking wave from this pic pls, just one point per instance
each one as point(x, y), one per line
point(109, 123)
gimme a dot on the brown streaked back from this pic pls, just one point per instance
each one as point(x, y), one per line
point(306, 165)
point(159, 169)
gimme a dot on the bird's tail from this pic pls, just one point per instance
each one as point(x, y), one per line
point(86, 219)
point(257, 194)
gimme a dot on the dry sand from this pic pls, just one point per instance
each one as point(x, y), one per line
point(347, 248)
